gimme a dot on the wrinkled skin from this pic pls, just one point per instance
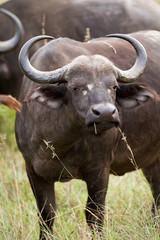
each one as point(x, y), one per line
point(61, 115)
point(70, 18)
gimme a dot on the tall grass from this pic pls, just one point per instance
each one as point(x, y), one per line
point(128, 201)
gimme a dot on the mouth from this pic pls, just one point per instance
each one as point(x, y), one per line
point(100, 127)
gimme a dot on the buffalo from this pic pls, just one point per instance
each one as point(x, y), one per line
point(71, 18)
point(7, 46)
point(80, 99)
point(8, 75)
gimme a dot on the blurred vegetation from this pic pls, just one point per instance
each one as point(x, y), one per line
point(7, 123)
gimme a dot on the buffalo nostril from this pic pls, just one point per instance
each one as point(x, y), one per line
point(95, 112)
point(102, 110)
point(102, 113)
point(114, 111)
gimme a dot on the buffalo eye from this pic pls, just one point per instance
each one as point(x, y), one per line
point(75, 89)
point(115, 88)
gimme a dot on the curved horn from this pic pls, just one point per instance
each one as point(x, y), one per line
point(138, 68)
point(12, 43)
point(34, 74)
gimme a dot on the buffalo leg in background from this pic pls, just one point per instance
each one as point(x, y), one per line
point(152, 174)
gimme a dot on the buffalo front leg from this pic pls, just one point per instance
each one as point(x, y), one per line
point(97, 183)
point(152, 174)
point(45, 197)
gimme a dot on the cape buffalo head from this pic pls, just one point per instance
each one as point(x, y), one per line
point(89, 85)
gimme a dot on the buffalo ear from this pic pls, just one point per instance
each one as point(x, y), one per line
point(48, 95)
point(132, 95)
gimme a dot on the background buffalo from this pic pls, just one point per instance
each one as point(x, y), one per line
point(71, 18)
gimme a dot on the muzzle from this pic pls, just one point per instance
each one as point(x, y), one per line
point(102, 116)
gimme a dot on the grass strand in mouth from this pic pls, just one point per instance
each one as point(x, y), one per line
point(95, 129)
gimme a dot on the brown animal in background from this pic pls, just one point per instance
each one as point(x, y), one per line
point(70, 18)
point(10, 102)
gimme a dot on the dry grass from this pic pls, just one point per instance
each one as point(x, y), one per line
point(128, 204)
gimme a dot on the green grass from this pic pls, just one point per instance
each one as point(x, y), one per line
point(128, 201)
point(7, 122)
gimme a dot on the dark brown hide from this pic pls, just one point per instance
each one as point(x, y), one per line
point(57, 114)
